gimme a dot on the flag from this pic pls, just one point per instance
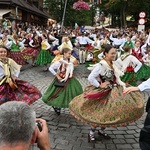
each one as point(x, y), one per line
point(76, 26)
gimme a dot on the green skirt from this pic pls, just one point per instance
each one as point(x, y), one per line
point(143, 73)
point(43, 57)
point(64, 96)
point(132, 77)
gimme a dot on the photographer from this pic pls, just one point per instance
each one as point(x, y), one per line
point(18, 129)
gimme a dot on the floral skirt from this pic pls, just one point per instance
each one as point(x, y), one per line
point(112, 110)
point(43, 58)
point(64, 96)
point(29, 53)
point(25, 92)
point(17, 57)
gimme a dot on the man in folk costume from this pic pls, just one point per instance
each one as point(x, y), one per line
point(117, 42)
point(83, 41)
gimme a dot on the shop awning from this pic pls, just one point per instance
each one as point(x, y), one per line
point(3, 12)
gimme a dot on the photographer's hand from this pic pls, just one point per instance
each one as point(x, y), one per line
point(43, 140)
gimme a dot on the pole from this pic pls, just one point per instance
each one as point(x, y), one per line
point(63, 18)
point(16, 12)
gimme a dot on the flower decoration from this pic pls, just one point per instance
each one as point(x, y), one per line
point(81, 5)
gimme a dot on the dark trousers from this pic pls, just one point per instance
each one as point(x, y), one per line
point(144, 139)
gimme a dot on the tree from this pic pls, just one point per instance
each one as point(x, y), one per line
point(122, 8)
point(82, 17)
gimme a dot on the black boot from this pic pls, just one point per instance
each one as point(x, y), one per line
point(57, 110)
point(104, 134)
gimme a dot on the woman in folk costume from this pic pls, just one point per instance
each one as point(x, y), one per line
point(12, 88)
point(65, 44)
point(16, 48)
point(44, 57)
point(92, 54)
point(59, 97)
point(104, 41)
point(102, 104)
point(136, 51)
point(32, 48)
point(133, 69)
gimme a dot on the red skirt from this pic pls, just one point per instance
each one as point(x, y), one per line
point(25, 92)
point(17, 57)
point(29, 53)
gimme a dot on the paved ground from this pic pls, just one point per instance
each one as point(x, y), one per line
point(66, 133)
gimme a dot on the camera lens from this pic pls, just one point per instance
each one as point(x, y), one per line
point(39, 126)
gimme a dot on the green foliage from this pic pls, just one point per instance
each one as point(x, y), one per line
point(56, 8)
point(119, 8)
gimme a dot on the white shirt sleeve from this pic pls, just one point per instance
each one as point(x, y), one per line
point(89, 41)
point(111, 38)
point(70, 44)
point(93, 75)
point(8, 44)
point(1, 71)
point(54, 67)
point(31, 43)
point(100, 56)
point(48, 45)
point(21, 45)
point(143, 49)
point(121, 46)
point(137, 63)
point(145, 85)
point(16, 74)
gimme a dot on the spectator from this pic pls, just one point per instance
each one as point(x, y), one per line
point(18, 128)
point(144, 139)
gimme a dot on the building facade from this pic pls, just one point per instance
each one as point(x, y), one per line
point(30, 11)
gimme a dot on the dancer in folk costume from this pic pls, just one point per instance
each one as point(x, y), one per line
point(128, 42)
point(12, 88)
point(32, 48)
point(59, 97)
point(16, 48)
point(133, 69)
point(83, 41)
point(146, 58)
point(103, 104)
point(44, 57)
point(58, 53)
point(145, 46)
point(136, 51)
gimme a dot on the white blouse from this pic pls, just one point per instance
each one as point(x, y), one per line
point(98, 70)
point(145, 85)
point(128, 61)
point(56, 65)
point(2, 72)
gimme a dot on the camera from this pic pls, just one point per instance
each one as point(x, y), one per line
point(39, 125)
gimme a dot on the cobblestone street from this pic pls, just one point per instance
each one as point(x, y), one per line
point(66, 133)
